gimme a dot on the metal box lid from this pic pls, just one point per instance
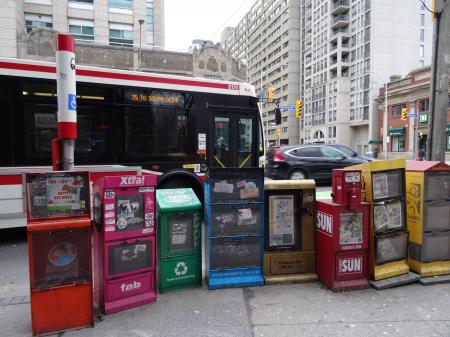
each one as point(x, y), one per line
point(177, 199)
point(289, 184)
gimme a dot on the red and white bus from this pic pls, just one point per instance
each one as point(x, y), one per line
point(176, 125)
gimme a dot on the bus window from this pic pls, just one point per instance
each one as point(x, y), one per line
point(156, 132)
point(245, 140)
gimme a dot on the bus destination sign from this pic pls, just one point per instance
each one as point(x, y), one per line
point(152, 97)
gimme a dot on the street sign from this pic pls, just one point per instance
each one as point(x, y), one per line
point(287, 107)
point(423, 118)
point(411, 115)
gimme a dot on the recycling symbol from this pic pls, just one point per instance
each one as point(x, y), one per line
point(181, 268)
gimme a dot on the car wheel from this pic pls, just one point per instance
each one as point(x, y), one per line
point(298, 175)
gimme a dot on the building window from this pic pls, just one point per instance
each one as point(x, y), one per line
point(422, 35)
point(120, 34)
point(126, 4)
point(424, 105)
point(421, 50)
point(398, 143)
point(83, 1)
point(37, 21)
point(149, 22)
point(39, 2)
point(422, 19)
point(396, 110)
point(82, 30)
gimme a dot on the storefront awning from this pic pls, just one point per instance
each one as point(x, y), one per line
point(374, 141)
point(397, 131)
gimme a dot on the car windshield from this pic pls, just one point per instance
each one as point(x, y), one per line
point(347, 151)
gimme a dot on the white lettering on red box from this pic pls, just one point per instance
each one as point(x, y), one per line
point(350, 265)
point(325, 223)
point(130, 286)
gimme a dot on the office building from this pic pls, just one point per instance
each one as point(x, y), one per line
point(268, 40)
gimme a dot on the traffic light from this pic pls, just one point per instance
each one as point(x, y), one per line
point(298, 108)
point(404, 113)
point(277, 116)
point(270, 93)
point(277, 132)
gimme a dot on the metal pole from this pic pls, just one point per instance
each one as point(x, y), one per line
point(439, 83)
point(385, 122)
point(67, 102)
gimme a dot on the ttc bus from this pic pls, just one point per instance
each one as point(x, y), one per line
point(177, 125)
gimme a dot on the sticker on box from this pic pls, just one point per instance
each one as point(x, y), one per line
point(223, 187)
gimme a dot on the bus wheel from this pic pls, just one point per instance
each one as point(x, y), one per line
point(179, 178)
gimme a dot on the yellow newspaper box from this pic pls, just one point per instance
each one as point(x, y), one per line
point(384, 187)
point(289, 224)
point(428, 214)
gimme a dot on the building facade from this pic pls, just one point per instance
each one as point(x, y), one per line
point(268, 40)
point(349, 49)
point(125, 23)
point(408, 137)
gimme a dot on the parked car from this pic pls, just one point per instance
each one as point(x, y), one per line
point(309, 161)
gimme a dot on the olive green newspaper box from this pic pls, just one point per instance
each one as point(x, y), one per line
point(179, 239)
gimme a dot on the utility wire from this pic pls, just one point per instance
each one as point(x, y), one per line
point(424, 5)
point(227, 20)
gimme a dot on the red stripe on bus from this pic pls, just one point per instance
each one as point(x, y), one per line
point(119, 76)
point(65, 42)
point(144, 78)
point(67, 130)
point(10, 179)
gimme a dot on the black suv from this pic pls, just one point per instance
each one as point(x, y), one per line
point(311, 161)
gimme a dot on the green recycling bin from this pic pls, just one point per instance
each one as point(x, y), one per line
point(179, 239)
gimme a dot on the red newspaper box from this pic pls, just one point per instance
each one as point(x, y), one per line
point(59, 250)
point(342, 235)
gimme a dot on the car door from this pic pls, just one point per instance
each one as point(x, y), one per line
point(334, 159)
point(311, 160)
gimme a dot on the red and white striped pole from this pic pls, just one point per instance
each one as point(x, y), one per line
point(67, 98)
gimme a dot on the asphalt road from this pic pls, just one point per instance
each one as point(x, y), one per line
point(288, 310)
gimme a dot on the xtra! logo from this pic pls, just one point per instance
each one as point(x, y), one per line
point(131, 180)
point(181, 269)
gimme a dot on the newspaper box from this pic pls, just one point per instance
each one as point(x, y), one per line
point(428, 213)
point(179, 239)
point(124, 242)
point(289, 250)
point(59, 250)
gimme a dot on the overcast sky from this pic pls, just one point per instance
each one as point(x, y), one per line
point(186, 20)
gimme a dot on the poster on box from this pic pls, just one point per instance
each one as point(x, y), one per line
point(351, 228)
point(130, 211)
point(63, 194)
point(281, 220)
point(380, 186)
point(57, 194)
point(387, 216)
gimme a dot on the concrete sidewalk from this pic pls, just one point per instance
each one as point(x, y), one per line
point(289, 310)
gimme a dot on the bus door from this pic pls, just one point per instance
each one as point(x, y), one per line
point(234, 142)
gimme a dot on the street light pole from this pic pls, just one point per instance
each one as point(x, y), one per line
point(141, 22)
